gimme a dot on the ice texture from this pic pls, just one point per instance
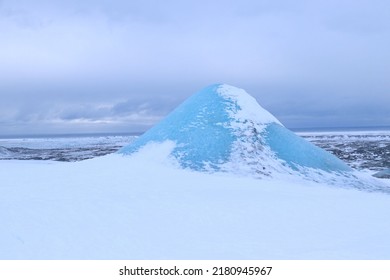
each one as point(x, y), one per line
point(199, 127)
point(222, 127)
point(296, 151)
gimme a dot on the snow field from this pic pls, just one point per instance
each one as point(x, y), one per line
point(129, 207)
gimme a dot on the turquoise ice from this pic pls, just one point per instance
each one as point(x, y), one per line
point(296, 151)
point(200, 128)
point(221, 124)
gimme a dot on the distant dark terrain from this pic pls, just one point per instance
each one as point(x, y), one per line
point(360, 150)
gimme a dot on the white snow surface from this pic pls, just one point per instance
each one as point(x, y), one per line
point(249, 108)
point(144, 206)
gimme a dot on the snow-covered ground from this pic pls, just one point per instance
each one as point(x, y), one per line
point(145, 207)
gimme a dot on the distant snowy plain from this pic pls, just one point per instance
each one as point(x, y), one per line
point(145, 207)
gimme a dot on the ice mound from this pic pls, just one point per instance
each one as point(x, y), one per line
point(384, 174)
point(223, 128)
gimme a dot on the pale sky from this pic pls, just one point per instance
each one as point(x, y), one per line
point(120, 66)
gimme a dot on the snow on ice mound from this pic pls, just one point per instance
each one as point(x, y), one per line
point(384, 174)
point(222, 128)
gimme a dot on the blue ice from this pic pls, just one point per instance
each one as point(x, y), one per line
point(199, 126)
point(296, 151)
point(201, 129)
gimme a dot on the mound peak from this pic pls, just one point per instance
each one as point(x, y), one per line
point(224, 128)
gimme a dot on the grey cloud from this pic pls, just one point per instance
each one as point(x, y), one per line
point(108, 60)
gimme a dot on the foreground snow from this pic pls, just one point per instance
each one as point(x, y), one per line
point(144, 207)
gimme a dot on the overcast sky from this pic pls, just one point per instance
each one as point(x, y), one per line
point(120, 66)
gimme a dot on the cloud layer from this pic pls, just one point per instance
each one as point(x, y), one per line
point(121, 65)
